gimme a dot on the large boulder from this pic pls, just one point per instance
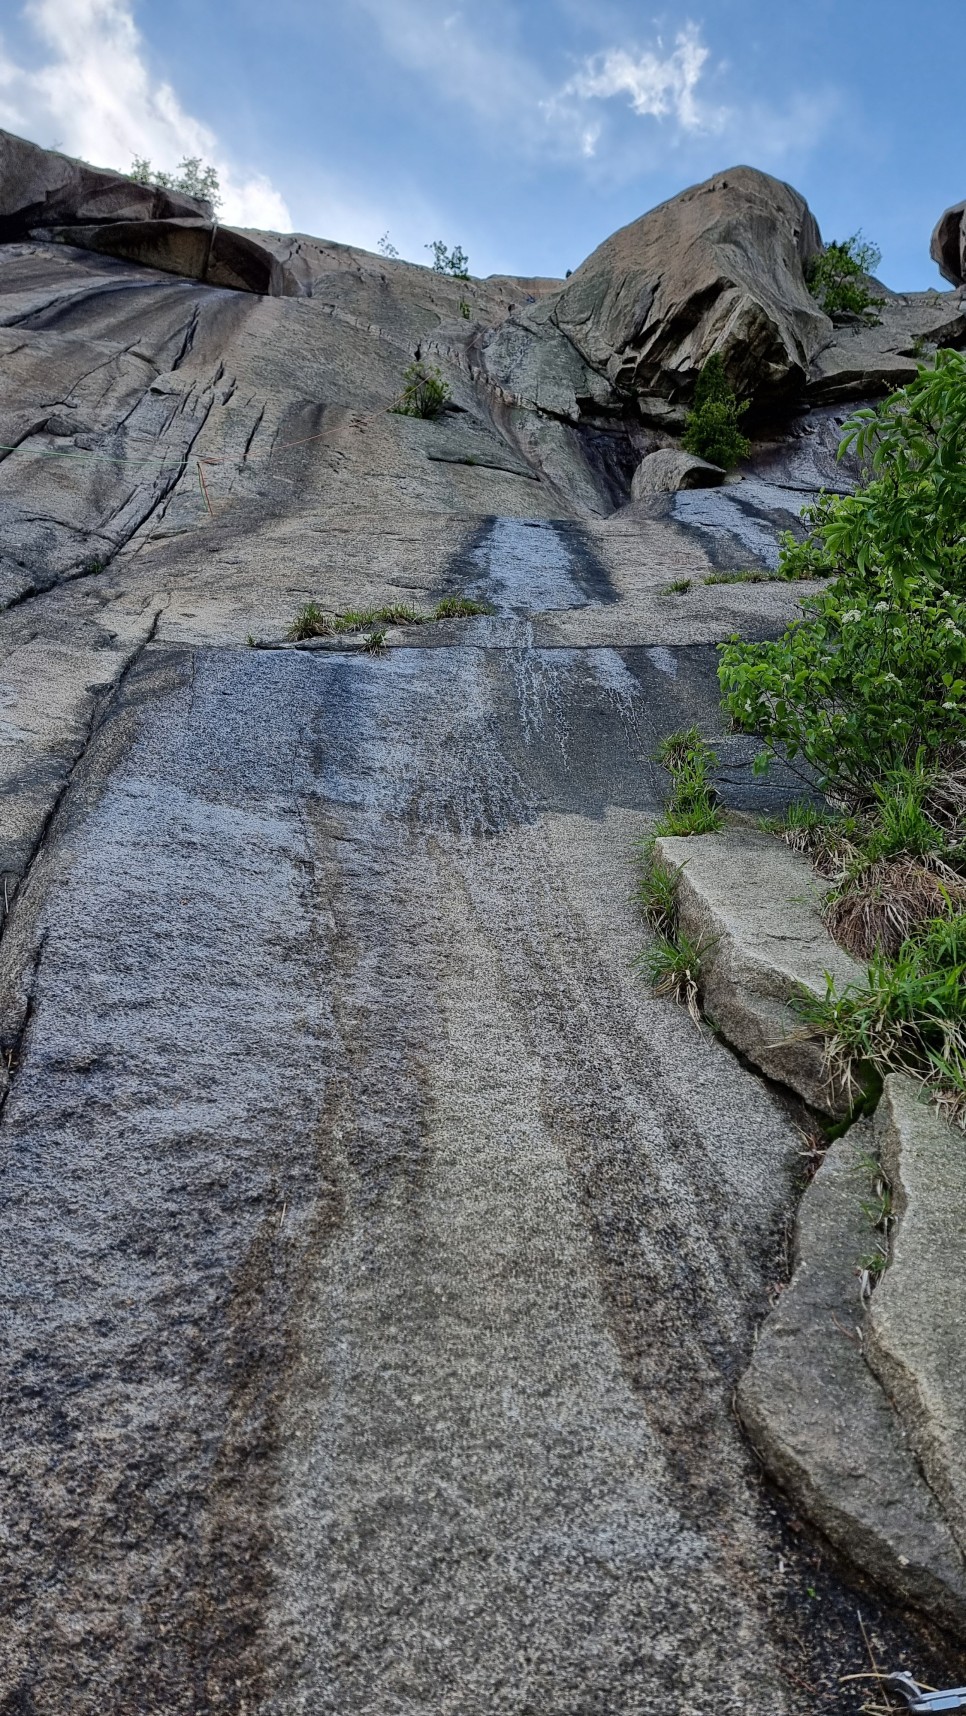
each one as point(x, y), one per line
point(719, 268)
point(948, 244)
point(669, 469)
point(41, 189)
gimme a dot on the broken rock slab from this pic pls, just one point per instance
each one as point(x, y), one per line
point(669, 469)
point(755, 906)
point(822, 1422)
point(916, 1335)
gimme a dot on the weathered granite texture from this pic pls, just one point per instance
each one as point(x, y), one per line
point(379, 1259)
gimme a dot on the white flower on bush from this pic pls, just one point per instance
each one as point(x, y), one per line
point(881, 608)
point(853, 614)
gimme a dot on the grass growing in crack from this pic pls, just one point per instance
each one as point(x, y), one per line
point(911, 1016)
point(680, 587)
point(312, 621)
point(672, 966)
point(657, 895)
point(877, 1210)
point(375, 643)
point(459, 608)
point(693, 807)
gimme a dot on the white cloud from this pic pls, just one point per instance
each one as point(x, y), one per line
point(658, 85)
point(94, 96)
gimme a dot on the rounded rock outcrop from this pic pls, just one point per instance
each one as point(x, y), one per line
point(720, 268)
point(947, 246)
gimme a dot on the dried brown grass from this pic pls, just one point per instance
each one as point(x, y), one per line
point(877, 907)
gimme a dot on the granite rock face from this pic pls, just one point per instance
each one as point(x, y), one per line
point(719, 268)
point(40, 189)
point(821, 1420)
point(379, 1257)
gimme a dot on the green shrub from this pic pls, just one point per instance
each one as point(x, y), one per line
point(838, 278)
point(711, 429)
point(192, 178)
point(454, 262)
point(424, 392)
point(876, 670)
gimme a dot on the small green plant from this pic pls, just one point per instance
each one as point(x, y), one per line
point(693, 807)
point(672, 966)
point(910, 1016)
point(312, 621)
point(711, 429)
point(386, 248)
point(839, 278)
point(375, 642)
point(680, 587)
point(92, 566)
point(309, 622)
point(657, 893)
point(454, 262)
point(459, 608)
point(192, 178)
point(424, 393)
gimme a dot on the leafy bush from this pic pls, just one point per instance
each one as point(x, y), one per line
point(454, 262)
point(711, 429)
point(192, 178)
point(876, 670)
point(838, 276)
point(424, 392)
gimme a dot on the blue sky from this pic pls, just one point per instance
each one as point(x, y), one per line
point(525, 130)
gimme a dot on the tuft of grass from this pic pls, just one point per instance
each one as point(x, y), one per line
point(680, 587)
point(459, 608)
point(375, 643)
point(657, 894)
point(309, 622)
point(877, 1210)
point(672, 966)
point(880, 904)
point(312, 621)
point(911, 1016)
point(693, 807)
point(748, 577)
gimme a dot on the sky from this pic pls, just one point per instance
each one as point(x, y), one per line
point(525, 131)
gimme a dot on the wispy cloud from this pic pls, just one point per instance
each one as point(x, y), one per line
point(92, 93)
point(657, 84)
